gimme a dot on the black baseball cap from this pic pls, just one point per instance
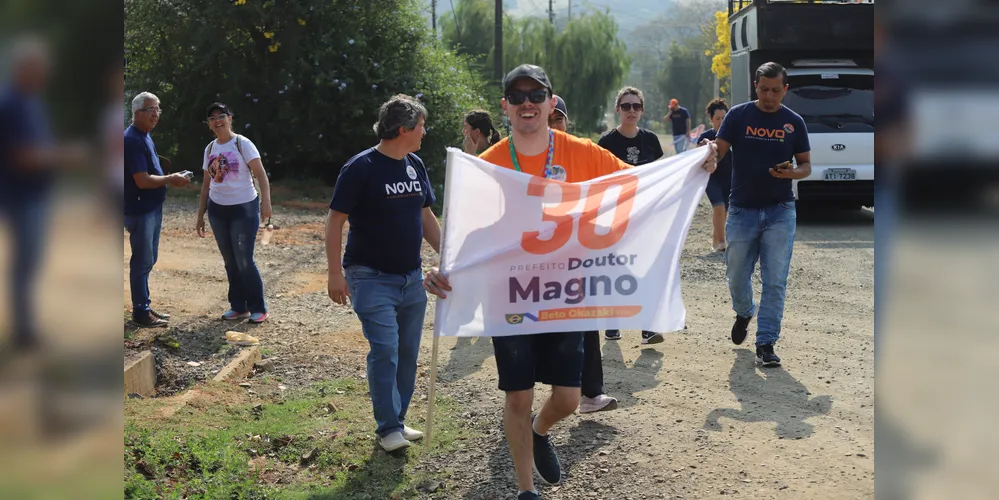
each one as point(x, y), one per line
point(560, 107)
point(217, 106)
point(526, 71)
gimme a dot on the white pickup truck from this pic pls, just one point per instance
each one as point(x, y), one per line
point(836, 99)
point(827, 49)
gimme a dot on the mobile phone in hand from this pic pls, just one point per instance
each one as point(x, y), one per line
point(188, 174)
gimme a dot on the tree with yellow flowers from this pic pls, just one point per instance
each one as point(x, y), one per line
point(720, 51)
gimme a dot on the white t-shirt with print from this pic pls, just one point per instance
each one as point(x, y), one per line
point(229, 172)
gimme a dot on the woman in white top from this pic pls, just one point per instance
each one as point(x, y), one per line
point(235, 210)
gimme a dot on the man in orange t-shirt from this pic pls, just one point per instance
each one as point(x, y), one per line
point(550, 358)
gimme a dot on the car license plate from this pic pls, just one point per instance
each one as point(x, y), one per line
point(840, 174)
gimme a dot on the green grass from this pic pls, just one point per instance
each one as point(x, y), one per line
point(204, 450)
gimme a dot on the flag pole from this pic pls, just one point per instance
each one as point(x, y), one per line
point(433, 383)
point(438, 316)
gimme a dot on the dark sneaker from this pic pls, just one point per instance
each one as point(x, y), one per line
point(546, 462)
point(765, 355)
point(740, 329)
point(528, 495)
point(22, 343)
point(613, 334)
point(652, 337)
point(163, 316)
point(148, 321)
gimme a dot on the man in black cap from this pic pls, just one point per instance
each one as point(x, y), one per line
point(556, 358)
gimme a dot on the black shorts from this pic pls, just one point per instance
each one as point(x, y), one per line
point(718, 194)
point(549, 358)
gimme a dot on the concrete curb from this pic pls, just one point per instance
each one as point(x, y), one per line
point(140, 374)
point(239, 367)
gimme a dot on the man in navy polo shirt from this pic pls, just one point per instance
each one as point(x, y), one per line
point(26, 166)
point(29, 157)
point(145, 192)
point(761, 214)
point(385, 194)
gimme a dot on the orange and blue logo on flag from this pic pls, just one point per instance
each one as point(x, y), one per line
point(586, 312)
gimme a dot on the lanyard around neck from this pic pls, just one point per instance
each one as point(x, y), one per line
point(548, 163)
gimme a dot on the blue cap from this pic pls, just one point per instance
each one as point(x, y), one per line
point(560, 107)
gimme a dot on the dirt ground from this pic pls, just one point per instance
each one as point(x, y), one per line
point(309, 339)
point(696, 419)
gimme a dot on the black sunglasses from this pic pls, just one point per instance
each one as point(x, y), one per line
point(517, 97)
point(628, 106)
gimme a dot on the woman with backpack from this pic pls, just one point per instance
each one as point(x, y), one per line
point(235, 210)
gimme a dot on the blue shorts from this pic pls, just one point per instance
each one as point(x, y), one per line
point(718, 194)
point(549, 358)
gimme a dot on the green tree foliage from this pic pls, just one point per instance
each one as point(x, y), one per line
point(304, 79)
point(469, 31)
point(687, 77)
point(83, 57)
point(529, 40)
point(585, 61)
point(590, 64)
point(650, 46)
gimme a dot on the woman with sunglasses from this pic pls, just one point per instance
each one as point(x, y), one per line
point(637, 146)
point(479, 132)
point(234, 210)
point(592, 397)
point(628, 141)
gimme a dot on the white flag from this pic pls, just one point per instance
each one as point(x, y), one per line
point(531, 255)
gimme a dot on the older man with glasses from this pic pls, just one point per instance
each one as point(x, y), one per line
point(145, 192)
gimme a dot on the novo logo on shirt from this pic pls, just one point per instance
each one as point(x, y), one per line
point(403, 187)
point(763, 132)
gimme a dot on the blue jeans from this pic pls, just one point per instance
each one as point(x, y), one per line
point(391, 309)
point(680, 143)
point(886, 203)
point(767, 235)
point(144, 238)
point(28, 219)
point(235, 228)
